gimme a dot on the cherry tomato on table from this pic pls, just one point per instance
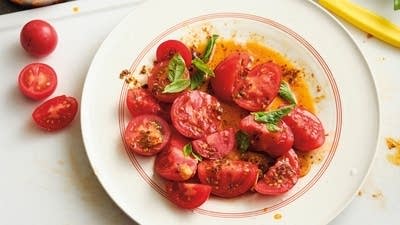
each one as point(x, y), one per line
point(187, 195)
point(38, 38)
point(280, 177)
point(147, 134)
point(196, 114)
point(169, 48)
point(56, 113)
point(37, 81)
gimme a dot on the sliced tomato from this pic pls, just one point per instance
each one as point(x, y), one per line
point(261, 139)
point(169, 48)
point(308, 131)
point(147, 134)
point(226, 73)
point(158, 80)
point(281, 177)
point(187, 195)
point(256, 90)
point(140, 101)
point(56, 113)
point(196, 114)
point(172, 164)
point(216, 145)
point(260, 159)
point(37, 81)
point(228, 178)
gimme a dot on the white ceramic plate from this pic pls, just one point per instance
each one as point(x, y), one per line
point(300, 30)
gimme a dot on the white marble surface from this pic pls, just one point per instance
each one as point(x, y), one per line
point(47, 179)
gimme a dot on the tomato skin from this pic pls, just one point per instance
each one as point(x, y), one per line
point(147, 134)
point(226, 73)
point(172, 164)
point(55, 113)
point(216, 145)
point(281, 177)
point(38, 38)
point(228, 178)
point(140, 101)
point(256, 90)
point(274, 143)
point(196, 114)
point(169, 48)
point(308, 131)
point(187, 195)
point(158, 80)
point(37, 81)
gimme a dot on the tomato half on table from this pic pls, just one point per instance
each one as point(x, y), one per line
point(158, 80)
point(196, 114)
point(56, 113)
point(140, 101)
point(308, 131)
point(228, 178)
point(37, 81)
point(187, 195)
point(169, 48)
point(256, 90)
point(281, 177)
point(216, 145)
point(261, 139)
point(226, 73)
point(172, 163)
point(147, 134)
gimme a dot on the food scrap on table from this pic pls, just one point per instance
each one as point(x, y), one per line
point(394, 146)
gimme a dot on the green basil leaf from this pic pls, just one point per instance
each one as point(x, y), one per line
point(176, 67)
point(242, 141)
point(209, 48)
point(272, 118)
point(187, 149)
point(203, 67)
point(177, 86)
point(286, 93)
point(196, 156)
point(396, 4)
point(196, 80)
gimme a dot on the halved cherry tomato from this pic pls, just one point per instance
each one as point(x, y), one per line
point(281, 177)
point(56, 113)
point(140, 101)
point(169, 48)
point(196, 114)
point(37, 81)
point(308, 131)
point(38, 38)
point(226, 73)
point(256, 90)
point(187, 195)
point(228, 178)
point(147, 134)
point(216, 145)
point(274, 143)
point(158, 80)
point(172, 163)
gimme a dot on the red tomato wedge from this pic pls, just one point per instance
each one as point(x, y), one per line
point(56, 113)
point(187, 195)
point(140, 101)
point(158, 80)
point(281, 177)
point(196, 114)
point(147, 134)
point(38, 38)
point(228, 178)
point(308, 131)
point(169, 48)
point(37, 81)
point(256, 90)
point(226, 73)
point(172, 164)
point(216, 145)
point(274, 143)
